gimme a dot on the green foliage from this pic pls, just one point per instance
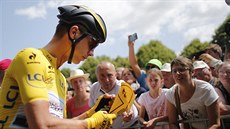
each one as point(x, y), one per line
point(89, 66)
point(194, 47)
point(121, 62)
point(221, 36)
point(66, 72)
point(154, 49)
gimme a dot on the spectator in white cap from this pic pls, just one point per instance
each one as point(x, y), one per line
point(167, 75)
point(79, 103)
point(203, 72)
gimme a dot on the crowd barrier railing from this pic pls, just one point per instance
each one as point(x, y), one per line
point(202, 123)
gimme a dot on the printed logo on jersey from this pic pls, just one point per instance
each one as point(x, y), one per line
point(56, 107)
point(35, 77)
point(51, 69)
point(11, 97)
point(49, 80)
point(49, 57)
point(32, 80)
point(32, 58)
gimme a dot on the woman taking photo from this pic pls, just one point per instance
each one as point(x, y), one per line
point(191, 99)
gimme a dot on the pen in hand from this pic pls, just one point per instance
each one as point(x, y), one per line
point(102, 91)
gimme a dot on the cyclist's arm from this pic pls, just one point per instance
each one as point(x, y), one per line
point(38, 117)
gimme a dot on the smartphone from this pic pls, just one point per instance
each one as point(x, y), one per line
point(133, 37)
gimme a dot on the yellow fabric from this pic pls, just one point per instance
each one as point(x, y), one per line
point(101, 104)
point(31, 76)
point(100, 120)
point(124, 99)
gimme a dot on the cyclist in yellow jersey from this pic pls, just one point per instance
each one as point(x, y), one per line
point(33, 91)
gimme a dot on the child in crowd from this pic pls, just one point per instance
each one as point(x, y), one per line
point(154, 101)
point(129, 77)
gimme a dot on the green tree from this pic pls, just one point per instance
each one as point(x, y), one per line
point(121, 62)
point(194, 47)
point(65, 72)
point(154, 49)
point(221, 37)
point(89, 66)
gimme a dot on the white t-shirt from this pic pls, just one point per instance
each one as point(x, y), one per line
point(195, 107)
point(155, 107)
point(118, 123)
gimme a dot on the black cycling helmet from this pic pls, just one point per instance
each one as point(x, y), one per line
point(94, 24)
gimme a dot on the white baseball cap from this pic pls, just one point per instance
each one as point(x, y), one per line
point(166, 67)
point(199, 65)
point(75, 73)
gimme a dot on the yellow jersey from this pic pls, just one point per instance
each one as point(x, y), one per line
point(32, 75)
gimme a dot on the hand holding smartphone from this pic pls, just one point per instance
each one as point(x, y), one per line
point(133, 37)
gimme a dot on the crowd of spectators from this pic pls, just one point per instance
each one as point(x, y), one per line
point(183, 89)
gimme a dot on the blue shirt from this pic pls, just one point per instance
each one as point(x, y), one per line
point(141, 80)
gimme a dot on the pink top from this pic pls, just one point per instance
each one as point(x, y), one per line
point(76, 111)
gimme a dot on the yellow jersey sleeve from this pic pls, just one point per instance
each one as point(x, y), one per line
point(29, 70)
point(31, 76)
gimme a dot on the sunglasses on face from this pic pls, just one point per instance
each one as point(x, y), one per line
point(93, 43)
point(148, 67)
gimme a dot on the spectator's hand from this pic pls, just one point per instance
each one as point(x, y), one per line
point(104, 102)
point(130, 44)
point(127, 116)
point(100, 120)
point(208, 59)
point(149, 124)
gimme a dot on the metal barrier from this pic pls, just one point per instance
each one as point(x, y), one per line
point(197, 123)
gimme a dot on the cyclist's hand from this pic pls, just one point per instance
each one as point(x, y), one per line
point(104, 102)
point(100, 120)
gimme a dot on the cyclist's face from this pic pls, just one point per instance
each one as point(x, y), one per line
point(84, 49)
point(92, 44)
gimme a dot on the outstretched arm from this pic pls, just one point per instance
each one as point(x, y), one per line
point(38, 117)
point(133, 59)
